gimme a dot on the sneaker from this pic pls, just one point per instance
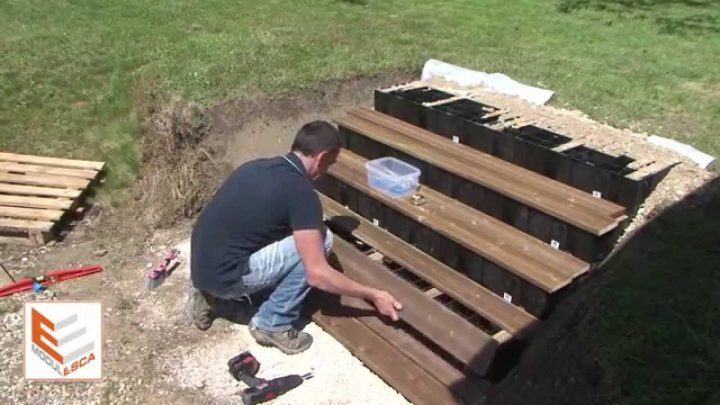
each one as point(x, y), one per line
point(291, 341)
point(202, 312)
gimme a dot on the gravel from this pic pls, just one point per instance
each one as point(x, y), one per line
point(339, 377)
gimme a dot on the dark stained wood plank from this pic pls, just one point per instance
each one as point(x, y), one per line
point(515, 251)
point(448, 330)
point(469, 388)
point(530, 178)
point(386, 361)
point(499, 175)
point(474, 296)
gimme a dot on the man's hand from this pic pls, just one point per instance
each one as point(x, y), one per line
point(386, 304)
point(320, 275)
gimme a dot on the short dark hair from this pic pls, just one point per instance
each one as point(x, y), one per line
point(315, 137)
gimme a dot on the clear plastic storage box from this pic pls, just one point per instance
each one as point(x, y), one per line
point(392, 176)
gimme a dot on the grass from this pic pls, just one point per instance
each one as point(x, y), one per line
point(69, 68)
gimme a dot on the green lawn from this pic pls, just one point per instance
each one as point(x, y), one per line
point(69, 68)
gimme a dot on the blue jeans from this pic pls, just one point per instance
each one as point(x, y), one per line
point(278, 267)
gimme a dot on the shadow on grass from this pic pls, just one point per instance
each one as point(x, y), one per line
point(675, 17)
point(644, 330)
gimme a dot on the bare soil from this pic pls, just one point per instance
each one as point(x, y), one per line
point(151, 352)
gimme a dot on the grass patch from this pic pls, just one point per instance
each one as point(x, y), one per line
point(69, 68)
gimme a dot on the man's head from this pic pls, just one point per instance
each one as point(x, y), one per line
point(318, 144)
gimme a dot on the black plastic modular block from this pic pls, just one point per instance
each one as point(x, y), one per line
point(614, 164)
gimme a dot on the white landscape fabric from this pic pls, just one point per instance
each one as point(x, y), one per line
point(495, 81)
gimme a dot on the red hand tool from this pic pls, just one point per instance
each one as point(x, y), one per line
point(160, 272)
point(40, 282)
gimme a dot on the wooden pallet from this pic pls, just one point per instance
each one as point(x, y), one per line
point(36, 192)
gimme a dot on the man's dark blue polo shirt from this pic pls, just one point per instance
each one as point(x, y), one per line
point(261, 202)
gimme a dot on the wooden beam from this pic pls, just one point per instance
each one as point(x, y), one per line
point(21, 225)
point(39, 191)
point(447, 329)
point(525, 256)
point(30, 213)
point(35, 202)
point(392, 366)
point(442, 277)
point(525, 186)
point(44, 180)
point(50, 161)
point(57, 171)
point(465, 386)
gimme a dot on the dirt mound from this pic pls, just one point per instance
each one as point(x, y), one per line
point(178, 173)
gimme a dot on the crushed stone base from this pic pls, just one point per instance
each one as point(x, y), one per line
point(339, 377)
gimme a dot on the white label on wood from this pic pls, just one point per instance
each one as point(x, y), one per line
point(376, 222)
point(507, 297)
point(597, 194)
point(555, 244)
point(456, 139)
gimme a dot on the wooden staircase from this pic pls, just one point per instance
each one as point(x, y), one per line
point(478, 259)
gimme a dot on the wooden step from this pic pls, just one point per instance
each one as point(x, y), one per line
point(523, 255)
point(445, 328)
point(402, 373)
point(467, 387)
point(527, 177)
point(524, 186)
point(447, 280)
point(503, 145)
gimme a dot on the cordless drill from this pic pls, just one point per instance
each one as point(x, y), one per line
point(244, 367)
point(273, 388)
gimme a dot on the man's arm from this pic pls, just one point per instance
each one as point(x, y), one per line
point(321, 275)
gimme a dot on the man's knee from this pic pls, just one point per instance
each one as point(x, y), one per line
point(328, 241)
